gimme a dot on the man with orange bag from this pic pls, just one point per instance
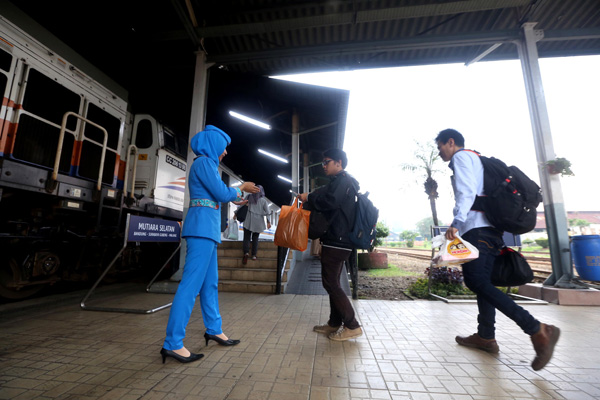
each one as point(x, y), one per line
point(337, 201)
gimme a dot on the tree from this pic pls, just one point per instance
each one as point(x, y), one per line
point(409, 236)
point(578, 222)
point(426, 156)
point(424, 227)
point(382, 232)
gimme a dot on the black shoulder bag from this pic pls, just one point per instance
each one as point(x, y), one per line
point(511, 269)
point(241, 213)
point(317, 224)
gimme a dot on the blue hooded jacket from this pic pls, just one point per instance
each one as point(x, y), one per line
point(205, 183)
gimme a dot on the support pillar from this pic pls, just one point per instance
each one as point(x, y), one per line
point(305, 173)
point(295, 152)
point(197, 119)
point(554, 208)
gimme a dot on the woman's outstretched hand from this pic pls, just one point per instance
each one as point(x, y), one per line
point(249, 187)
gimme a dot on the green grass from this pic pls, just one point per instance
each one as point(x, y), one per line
point(535, 249)
point(399, 245)
point(392, 271)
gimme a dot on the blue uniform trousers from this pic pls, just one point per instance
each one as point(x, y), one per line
point(200, 276)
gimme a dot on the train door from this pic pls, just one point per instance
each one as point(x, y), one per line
point(161, 169)
point(170, 172)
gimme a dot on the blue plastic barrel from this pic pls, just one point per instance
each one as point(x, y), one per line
point(586, 255)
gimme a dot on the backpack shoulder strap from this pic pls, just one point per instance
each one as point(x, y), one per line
point(471, 151)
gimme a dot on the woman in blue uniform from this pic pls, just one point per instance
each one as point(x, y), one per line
point(202, 232)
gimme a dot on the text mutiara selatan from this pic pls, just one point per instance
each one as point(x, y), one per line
point(145, 226)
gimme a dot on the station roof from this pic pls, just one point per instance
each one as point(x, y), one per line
point(149, 47)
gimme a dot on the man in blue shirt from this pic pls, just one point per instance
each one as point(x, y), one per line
point(473, 226)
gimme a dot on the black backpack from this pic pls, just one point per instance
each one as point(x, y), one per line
point(365, 223)
point(511, 197)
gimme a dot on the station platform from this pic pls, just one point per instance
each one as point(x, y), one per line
point(51, 349)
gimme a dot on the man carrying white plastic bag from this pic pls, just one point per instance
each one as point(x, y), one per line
point(453, 252)
point(474, 227)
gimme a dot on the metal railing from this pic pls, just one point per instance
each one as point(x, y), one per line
point(282, 257)
point(132, 149)
point(51, 184)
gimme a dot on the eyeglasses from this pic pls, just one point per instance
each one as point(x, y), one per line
point(325, 162)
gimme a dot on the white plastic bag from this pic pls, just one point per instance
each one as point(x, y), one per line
point(231, 232)
point(453, 252)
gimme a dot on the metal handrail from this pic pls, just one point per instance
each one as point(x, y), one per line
point(61, 139)
point(126, 192)
point(282, 257)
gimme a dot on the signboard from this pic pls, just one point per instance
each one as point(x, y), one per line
point(144, 229)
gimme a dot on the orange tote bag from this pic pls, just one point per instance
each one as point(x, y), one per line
point(292, 228)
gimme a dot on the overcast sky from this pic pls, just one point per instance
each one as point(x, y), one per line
point(391, 108)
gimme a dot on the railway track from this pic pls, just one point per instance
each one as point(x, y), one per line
point(541, 266)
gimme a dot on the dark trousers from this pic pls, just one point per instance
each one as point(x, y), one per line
point(477, 274)
point(246, 243)
point(332, 264)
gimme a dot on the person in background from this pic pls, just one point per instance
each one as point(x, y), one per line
point(202, 232)
point(474, 227)
point(254, 224)
point(337, 200)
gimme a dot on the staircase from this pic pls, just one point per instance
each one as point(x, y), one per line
point(258, 276)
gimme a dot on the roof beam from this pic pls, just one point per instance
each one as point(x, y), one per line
point(344, 48)
point(348, 18)
point(186, 22)
point(412, 43)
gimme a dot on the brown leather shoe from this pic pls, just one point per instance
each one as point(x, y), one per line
point(341, 335)
point(543, 344)
point(325, 328)
point(478, 342)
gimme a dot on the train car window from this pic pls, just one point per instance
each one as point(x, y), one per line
point(36, 142)
point(5, 60)
point(50, 100)
point(3, 82)
point(91, 155)
point(170, 142)
point(182, 142)
point(143, 139)
point(109, 122)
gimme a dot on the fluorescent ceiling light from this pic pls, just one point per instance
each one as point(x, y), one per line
point(285, 179)
point(249, 120)
point(266, 153)
point(238, 183)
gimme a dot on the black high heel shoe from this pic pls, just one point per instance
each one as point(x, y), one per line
point(228, 342)
point(169, 353)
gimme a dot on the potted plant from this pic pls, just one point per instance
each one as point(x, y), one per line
point(560, 166)
point(373, 259)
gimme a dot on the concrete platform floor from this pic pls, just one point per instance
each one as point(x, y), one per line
point(51, 349)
